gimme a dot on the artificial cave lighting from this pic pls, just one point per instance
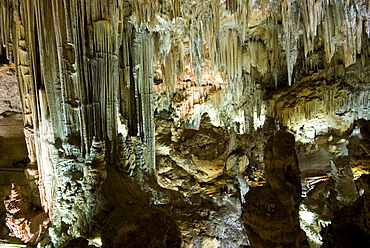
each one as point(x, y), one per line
point(207, 123)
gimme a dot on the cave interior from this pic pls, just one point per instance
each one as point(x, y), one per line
point(204, 123)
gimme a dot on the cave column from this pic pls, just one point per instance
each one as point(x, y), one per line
point(144, 82)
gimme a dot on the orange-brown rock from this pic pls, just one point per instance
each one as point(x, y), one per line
point(23, 222)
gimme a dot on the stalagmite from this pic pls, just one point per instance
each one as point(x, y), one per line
point(277, 203)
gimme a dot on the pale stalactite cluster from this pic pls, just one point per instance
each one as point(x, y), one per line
point(328, 104)
point(225, 27)
point(243, 41)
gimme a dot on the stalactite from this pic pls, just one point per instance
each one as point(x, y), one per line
point(196, 47)
point(211, 27)
point(289, 15)
point(6, 26)
point(144, 77)
point(242, 17)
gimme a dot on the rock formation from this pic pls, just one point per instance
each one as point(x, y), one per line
point(332, 209)
point(9, 95)
point(132, 226)
point(270, 213)
point(23, 222)
point(342, 224)
point(164, 103)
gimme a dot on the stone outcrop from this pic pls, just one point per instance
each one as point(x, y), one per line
point(202, 153)
point(270, 213)
point(24, 222)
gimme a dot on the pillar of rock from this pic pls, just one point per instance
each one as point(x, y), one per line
point(82, 67)
point(270, 213)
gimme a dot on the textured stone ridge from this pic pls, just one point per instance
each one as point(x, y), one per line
point(270, 213)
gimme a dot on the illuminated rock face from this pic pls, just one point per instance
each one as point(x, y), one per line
point(23, 222)
point(124, 85)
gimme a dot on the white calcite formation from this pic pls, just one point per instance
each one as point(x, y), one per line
point(179, 93)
